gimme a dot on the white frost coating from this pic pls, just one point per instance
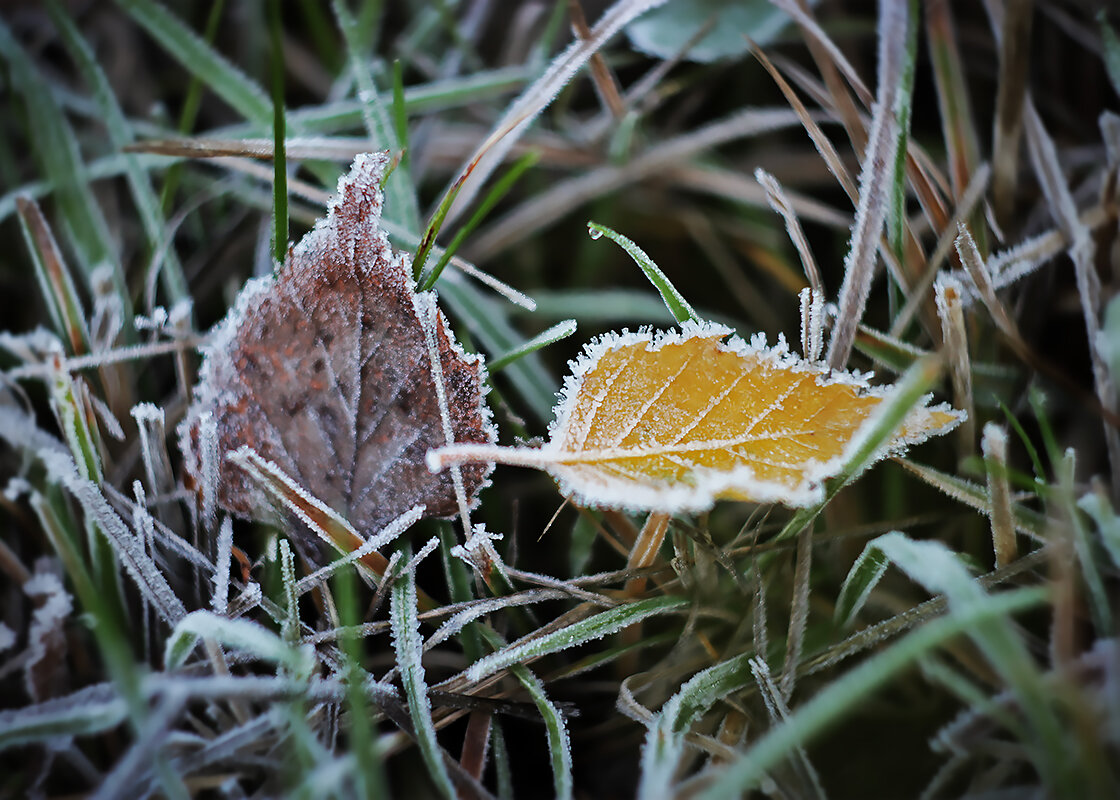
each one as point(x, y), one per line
point(385, 536)
point(129, 549)
point(208, 465)
point(7, 637)
point(478, 549)
point(219, 600)
point(16, 488)
point(19, 429)
point(430, 318)
point(45, 637)
point(268, 474)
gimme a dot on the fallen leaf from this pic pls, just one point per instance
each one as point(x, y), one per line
point(675, 421)
point(324, 371)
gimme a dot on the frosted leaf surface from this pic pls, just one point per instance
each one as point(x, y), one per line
point(675, 421)
point(324, 370)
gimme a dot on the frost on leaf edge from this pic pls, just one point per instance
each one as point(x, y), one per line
point(711, 484)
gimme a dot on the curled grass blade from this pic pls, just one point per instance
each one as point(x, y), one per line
point(240, 634)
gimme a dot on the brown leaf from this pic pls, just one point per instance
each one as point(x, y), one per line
point(324, 370)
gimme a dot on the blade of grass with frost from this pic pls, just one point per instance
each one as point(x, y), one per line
point(128, 773)
point(880, 632)
point(564, 196)
point(1097, 506)
point(861, 579)
point(92, 710)
point(144, 572)
point(121, 134)
point(1082, 251)
point(587, 630)
point(608, 656)
point(561, 330)
point(532, 101)
point(188, 111)
point(1063, 495)
point(400, 204)
point(289, 628)
point(846, 694)
point(55, 282)
point(408, 646)
point(239, 634)
point(674, 300)
point(903, 105)
point(113, 645)
point(56, 150)
point(559, 746)
point(69, 399)
point(487, 322)
point(110, 166)
point(939, 570)
point(876, 177)
point(439, 95)
point(460, 587)
point(493, 197)
point(664, 743)
point(366, 762)
point(202, 61)
point(1026, 520)
point(876, 432)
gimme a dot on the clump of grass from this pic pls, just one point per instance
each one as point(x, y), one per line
point(942, 626)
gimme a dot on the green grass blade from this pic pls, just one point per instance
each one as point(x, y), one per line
point(197, 57)
point(121, 135)
point(674, 300)
point(240, 634)
point(608, 307)
point(559, 746)
point(55, 148)
point(664, 743)
point(846, 694)
point(857, 586)
point(486, 321)
point(940, 571)
point(279, 136)
point(55, 282)
point(428, 278)
point(408, 647)
point(400, 196)
point(595, 627)
point(80, 714)
point(561, 330)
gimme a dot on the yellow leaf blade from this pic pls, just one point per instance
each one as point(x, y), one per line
point(677, 420)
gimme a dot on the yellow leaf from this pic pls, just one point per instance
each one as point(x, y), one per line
point(677, 420)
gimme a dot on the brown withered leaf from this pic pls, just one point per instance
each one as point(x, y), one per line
point(324, 370)
point(675, 421)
